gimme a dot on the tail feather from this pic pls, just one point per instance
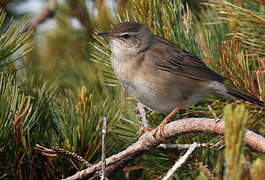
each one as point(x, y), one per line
point(244, 97)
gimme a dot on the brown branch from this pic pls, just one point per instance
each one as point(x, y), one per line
point(47, 11)
point(80, 12)
point(148, 142)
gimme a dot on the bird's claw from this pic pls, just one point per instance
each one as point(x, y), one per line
point(161, 133)
point(143, 129)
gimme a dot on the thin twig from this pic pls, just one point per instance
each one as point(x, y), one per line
point(180, 162)
point(103, 156)
point(56, 150)
point(182, 146)
point(71, 154)
point(75, 166)
point(213, 113)
point(143, 115)
point(47, 11)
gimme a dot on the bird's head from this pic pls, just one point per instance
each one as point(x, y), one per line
point(128, 38)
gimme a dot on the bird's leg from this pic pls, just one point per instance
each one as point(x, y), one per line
point(165, 121)
point(146, 126)
point(143, 115)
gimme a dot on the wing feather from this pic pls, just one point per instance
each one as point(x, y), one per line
point(181, 62)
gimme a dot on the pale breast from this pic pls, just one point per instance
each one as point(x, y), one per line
point(129, 76)
point(147, 84)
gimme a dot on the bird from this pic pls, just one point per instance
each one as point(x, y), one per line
point(160, 74)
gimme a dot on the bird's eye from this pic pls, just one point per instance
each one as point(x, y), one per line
point(126, 36)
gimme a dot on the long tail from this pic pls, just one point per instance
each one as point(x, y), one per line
point(244, 97)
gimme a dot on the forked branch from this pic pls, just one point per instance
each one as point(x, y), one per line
point(148, 142)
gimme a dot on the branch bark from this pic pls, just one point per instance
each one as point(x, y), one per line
point(150, 140)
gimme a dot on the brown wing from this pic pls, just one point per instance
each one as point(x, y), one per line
point(181, 62)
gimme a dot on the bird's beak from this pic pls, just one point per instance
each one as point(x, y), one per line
point(104, 34)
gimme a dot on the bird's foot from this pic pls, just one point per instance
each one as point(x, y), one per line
point(160, 130)
point(164, 122)
point(143, 130)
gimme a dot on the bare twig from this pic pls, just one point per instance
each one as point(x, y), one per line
point(71, 154)
point(213, 113)
point(179, 163)
point(149, 140)
point(45, 151)
point(181, 146)
point(47, 11)
point(56, 150)
point(75, 166)
point(103, 156)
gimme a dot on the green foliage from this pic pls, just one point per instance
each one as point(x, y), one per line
point(16, 116)
point(171, 20)
point(241, 57)
point(202, 176)
point(258, 168)
point(32, 111)
point(22, 122)
point(101, 55)
point(80, 123)
point(246, 21)
point(235, 122)
point(15, 41)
